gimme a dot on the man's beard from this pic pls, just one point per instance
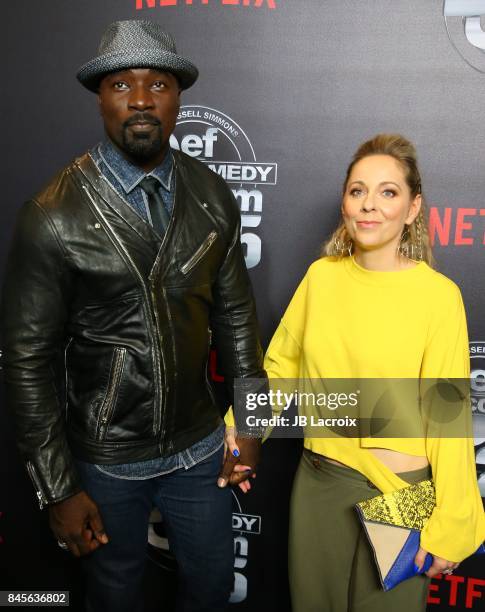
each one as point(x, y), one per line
point(142, 146)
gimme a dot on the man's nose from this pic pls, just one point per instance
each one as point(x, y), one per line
point(140, 99)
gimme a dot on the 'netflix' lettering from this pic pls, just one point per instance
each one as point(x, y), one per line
point(456, 226)
point(142, 4)
point(454, 590)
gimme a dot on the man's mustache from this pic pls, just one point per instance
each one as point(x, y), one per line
point(141, 118)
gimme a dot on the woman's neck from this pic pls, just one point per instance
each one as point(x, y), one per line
point(382, 260)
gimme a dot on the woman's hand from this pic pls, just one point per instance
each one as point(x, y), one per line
point(439, 566)
point(231, 462)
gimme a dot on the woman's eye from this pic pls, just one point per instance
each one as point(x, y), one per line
point(388, 193)
point(356, 192)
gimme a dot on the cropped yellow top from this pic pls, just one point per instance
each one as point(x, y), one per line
point(345, 321)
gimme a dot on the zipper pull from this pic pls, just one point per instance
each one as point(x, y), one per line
point(41, 500)
point(36, 483)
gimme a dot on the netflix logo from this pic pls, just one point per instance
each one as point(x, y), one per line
point(457, 226)
point(463, 592)
point(269, 4)
point(213, 371)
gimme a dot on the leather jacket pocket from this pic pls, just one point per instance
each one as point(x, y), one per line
point(201, 251)
point(109, 402)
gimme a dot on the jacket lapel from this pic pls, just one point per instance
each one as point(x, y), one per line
point(112, 199)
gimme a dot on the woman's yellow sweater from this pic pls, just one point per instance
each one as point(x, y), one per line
point(348, 322)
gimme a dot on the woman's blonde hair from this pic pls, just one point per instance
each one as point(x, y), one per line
point(415, 242)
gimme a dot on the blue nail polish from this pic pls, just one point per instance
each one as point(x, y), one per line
point(235, 452)
point(416, 569)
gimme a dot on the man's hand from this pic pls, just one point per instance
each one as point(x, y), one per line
point(77, 522)
point(440, 566)
point(241, 458)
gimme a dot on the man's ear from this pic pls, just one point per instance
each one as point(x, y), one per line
point(100, 103)
point(98, 94)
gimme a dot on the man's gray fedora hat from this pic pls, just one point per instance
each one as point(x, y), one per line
point(136, 44)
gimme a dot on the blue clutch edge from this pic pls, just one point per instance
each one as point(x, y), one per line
point(403, 566)
point(410, 549)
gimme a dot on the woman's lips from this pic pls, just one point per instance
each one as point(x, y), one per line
point(368, 224)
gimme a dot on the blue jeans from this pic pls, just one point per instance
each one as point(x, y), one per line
point(197, 517)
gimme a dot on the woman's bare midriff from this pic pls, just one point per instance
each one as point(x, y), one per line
point(394, 460)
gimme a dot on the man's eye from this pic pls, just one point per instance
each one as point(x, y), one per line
point(120, 85)
point(159, 84)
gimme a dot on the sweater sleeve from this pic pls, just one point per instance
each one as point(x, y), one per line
point(282, 358)
point(457, 526)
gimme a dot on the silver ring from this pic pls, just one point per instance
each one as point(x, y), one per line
point(62, 545)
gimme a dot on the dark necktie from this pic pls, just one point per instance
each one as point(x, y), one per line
point(158, 212)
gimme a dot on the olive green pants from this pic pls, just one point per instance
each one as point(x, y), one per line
point(332, 568)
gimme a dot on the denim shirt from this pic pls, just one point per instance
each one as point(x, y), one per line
point(125, 179)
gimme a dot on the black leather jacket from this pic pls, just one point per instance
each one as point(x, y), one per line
point(107, 329)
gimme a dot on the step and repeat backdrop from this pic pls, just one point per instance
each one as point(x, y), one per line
point(287, 91)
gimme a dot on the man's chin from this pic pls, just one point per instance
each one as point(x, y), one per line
point(143, 149)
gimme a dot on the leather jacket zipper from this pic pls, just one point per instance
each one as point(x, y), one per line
point(149, 297)
point(209, 385)
point(159, 407)
point(201, 251)
point(66, 378)
point(36, 483)
point(109, 401)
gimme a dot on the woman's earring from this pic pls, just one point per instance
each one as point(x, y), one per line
point(419, 240)
point(412, 249)
point(404, 247)
point(339, 247)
